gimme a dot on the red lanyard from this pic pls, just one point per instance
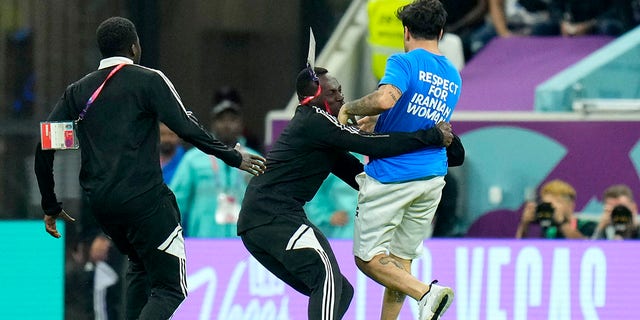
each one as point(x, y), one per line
point(97, 92)
point(309, 98)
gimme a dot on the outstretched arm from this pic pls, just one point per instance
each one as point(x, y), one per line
point(328, 132)
point(346, 167)
point(172, 112)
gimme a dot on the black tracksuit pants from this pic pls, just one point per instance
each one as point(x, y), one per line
point(156, 279)
point(299, 254)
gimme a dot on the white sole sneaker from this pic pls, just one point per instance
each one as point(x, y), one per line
point(436, 302)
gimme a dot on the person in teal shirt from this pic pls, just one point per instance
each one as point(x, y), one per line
point(208, 191)
point(333, 208)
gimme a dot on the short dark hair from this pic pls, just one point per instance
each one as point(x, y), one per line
point(305, 85)
point(115, 35)
point(424, 18)
point(227, 92)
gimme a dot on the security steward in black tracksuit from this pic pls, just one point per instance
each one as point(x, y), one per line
point(121, 175)
point(272, 223)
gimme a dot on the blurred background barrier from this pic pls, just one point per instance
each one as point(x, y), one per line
point(31, 271)
point(492, 279)
point(611, 73)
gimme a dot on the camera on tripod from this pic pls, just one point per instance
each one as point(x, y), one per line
point(544, 214)
point(621, 219)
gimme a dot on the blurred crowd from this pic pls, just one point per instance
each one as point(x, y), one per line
point(477, 22)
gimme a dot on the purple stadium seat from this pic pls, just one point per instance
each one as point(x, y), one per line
point(504, 74)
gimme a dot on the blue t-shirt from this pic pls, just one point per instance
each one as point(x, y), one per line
point(430, 87)
point(169, 169)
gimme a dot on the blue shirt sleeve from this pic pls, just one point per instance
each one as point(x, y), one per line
point(397, 73)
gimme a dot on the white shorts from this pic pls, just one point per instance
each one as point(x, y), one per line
point(394, 217)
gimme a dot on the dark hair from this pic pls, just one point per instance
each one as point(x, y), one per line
point(424, 18)
point(115, 35)
point(305, 86)
point(226, 92)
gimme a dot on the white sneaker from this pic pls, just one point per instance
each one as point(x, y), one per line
point(435, 302)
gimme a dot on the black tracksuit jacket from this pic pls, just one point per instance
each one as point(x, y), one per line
point(119, 136)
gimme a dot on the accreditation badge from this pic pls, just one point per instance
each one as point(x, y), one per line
point(58, 135)
point(228, 209)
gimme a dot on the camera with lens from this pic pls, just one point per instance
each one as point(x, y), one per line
point(544, 214)
point(621, 219)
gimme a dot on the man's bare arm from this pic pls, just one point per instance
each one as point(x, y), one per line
point(372, 104)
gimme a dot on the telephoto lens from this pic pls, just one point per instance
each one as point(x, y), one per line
point(544, 214)
point(620, 218)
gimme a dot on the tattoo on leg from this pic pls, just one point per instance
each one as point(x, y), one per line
point(387, 260)
point(397, 296)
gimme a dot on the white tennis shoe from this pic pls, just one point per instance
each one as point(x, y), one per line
point(435, 302)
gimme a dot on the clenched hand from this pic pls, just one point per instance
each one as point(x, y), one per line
point(447, 134)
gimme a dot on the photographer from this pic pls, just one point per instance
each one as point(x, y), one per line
point(555, 214)
point(619, 219)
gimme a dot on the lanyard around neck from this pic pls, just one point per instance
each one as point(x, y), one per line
point(308, 99)
point(216, 173)
point(95, 94)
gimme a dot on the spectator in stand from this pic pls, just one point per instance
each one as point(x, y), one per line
point(230, 93)
point(463, 18)
point(578, 18)
point(209, 191)
point(512, 18)
point(94, 281)
point(630, 13)
point(555, 214)
point(619, 219)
